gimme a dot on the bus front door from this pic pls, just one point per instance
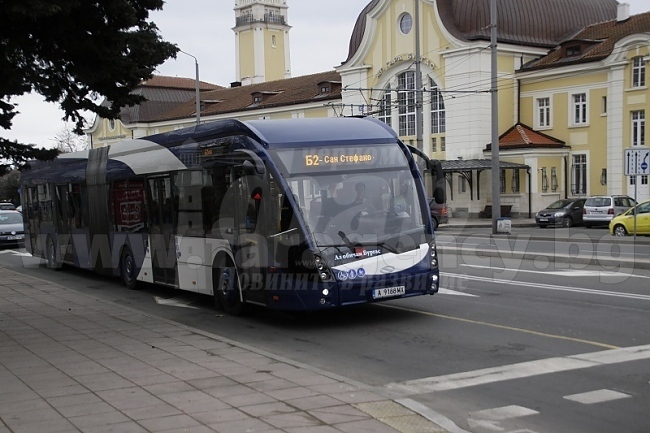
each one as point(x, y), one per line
point(250, 246)
point(161, 216)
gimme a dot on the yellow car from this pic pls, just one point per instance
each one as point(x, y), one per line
point(623, 224)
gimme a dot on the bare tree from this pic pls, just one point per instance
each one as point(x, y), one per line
point(68, 141)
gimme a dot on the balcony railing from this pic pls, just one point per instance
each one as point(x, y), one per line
point(267, 19)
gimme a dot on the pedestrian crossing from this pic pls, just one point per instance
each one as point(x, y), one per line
point(497, 418)
point(513, 418)
point(598, 396)
point(521, 370)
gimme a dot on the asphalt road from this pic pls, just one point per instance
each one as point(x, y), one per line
point(511, 345)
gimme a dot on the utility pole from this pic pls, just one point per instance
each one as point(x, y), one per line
point(418, 82)
point(496, 171)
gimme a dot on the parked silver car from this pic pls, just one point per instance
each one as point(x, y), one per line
point(601, 209)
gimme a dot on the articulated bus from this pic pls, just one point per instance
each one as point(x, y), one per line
point(295, 215)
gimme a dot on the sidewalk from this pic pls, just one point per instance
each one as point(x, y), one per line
point(73, 363)
point(467, 223)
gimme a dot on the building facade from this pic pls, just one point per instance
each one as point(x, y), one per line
point(572, 90)
point(592, 91)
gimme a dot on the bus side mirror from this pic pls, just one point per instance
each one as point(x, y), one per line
point(253, 164)
point(251, 169)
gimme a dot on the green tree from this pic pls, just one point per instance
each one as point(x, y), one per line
point(75, 53)
point(9, 184)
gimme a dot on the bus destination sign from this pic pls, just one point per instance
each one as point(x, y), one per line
point(343, 159)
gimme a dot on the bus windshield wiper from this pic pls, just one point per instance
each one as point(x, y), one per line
point(346, 241)
point(390, 248)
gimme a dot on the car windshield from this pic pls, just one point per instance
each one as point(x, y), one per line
point(10, 218)
point(559, 204)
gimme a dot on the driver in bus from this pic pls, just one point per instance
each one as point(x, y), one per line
point(400, 202)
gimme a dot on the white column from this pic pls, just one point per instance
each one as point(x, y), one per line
point(615, 122)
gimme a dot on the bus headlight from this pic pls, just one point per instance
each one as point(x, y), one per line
point(433, 253)
point(323, 269)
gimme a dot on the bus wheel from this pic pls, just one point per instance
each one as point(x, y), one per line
point(228, 293)
point(128, 270)
point(51, 256)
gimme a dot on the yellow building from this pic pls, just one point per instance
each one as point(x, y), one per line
point(546, 151)
point(451, 40)
point(592, 93)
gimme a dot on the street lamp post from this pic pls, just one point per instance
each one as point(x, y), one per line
point(198, 98)
point(496, 178)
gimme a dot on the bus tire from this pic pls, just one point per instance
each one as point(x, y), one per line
point(51, 256)
point(227, 292)
point(128, 270)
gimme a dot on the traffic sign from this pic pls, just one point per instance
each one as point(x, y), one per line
point(637, 161)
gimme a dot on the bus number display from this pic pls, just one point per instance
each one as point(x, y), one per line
point(315, 160)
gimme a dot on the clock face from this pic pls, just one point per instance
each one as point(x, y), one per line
point(405, 23)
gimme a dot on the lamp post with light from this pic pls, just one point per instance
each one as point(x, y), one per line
point(198, 98)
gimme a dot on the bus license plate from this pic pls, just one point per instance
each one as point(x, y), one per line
point(388, 292)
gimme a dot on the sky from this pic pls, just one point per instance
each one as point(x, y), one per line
point(319, 40)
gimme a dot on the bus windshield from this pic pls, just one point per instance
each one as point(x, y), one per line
point(360, 195)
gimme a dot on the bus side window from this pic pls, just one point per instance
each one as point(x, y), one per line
point(127, 208)
point(217, 214)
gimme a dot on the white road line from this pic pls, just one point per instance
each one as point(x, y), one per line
point(563, 272)
point(599, 396)
point(529, 284)
point(501, 413)
point(489, 419)
point(455, 293)
point(520, 370)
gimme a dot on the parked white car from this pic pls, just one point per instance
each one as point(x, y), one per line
point(601, 209)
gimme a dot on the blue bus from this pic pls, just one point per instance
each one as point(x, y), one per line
point(295, 215)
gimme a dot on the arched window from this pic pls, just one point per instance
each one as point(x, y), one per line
point(438, 119)
point(406, 103)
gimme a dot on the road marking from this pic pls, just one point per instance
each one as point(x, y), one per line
point(501, 413)
point(496, 325)
point(489, 418)
point(520, 370)
point(563, 272)
point(599, 396)
point(455, 293)
point(550, 287)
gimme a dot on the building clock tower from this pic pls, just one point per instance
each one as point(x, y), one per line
point(262, 40)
